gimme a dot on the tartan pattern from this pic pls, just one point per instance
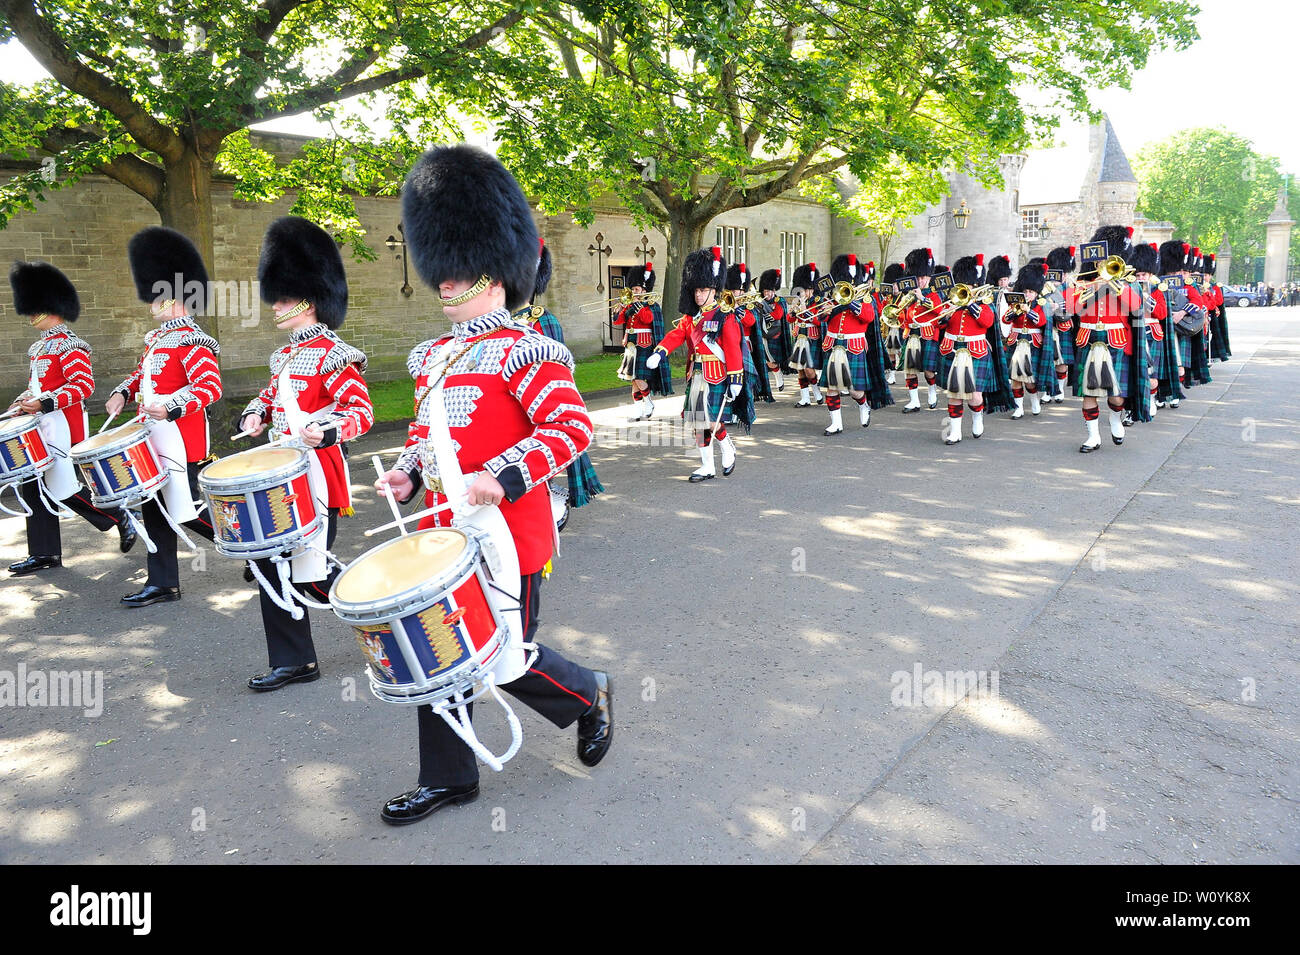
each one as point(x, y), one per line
point(986, 378)
point(857, 368)
point(700, 409)
point(583, 483)
point(643, 352)
point(930, 357)
point(1117, 358)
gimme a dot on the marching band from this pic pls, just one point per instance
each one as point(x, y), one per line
point(446, 613)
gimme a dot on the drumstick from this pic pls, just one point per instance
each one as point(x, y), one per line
point(107, 422)
point(409, 517)
point(388, 493)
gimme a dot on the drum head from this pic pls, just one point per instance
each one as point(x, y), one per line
point(16, 425)
point(130, 430)
point(253, 461)
point(400, 565)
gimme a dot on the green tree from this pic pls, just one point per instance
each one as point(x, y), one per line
point(1211, 184)
point(155, 93)
point(686, 111)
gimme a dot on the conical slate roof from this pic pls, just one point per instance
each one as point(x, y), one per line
point(1114, 164)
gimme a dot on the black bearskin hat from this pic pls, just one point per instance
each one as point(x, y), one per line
point(999, 268)
point(941, 269)
point(1061, 259)
point(1145, 258)
point(1038, 260)
point(1118, 239)
point(1173, 256)
point(544, 269)
point(805, 277)
point(1209, 265)
point(965, 271)
point(704, 268)
point(893, 272)
point(738, 278)
point(919, 262)
point(770, 281)
point(465, 216)
point(643, 277)
point(1030, 277)
point(41, 289)
point(162, 257)
point(300, 260)
point(1196, 263)
point(846, 268)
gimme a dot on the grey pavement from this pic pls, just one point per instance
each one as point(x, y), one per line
point(1133, 613)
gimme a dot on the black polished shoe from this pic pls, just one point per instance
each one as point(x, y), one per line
point(126, 535)
point(31, 565)
point(726, 471)
point(596, 726)
point(279, 676)
point(1119, 440)
point(697, 478)
point(908, 409)
point(423, 801)
point(151, 595)
point(1089, 448)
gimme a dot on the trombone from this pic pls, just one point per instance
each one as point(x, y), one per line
point(1111, 272)
point(729, 300)
point(842, 294)
point(623, 300)
point(963, 295)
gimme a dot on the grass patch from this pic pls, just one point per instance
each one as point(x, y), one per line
point(599, 373)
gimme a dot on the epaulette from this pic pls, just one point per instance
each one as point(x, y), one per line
point(420, 354)
point(197, 336)
point(342, 355)
point(533, 348)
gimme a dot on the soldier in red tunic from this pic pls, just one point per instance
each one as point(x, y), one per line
point(845, 345)
point(316, 394)
point(638, 321)
point(1029, 345)
point(506, 397)
point(717, 369)
point(807, 323)
point(921, 327)
point(60, 383)
point(965, 355)
point(175, 381)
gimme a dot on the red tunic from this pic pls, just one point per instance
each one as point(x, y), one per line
point(1031, 324)
point(920, 315)
point(1105, 310)
point(847, 326)
point(184, 366)
point(692, 331)
point(639, 321)
point(60, 362)
point(810, 327)
point(325, 371)
point(512, 410)
point(1159, 312)
point(1196, 297)
point(967, 327)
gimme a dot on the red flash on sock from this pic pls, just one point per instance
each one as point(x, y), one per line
point(1091, 414)
point(954, 411)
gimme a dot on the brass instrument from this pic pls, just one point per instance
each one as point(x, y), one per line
point(729, 301)
point(1111, 272)
point(963, 295)
point(842, 294)
point(623, 300)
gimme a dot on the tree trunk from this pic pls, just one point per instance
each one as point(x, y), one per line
point(684, 236)
point(186, 201)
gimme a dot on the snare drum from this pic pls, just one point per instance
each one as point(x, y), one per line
point(120, 466)
point(23, 454)
point(261, 502)
point(420, 609)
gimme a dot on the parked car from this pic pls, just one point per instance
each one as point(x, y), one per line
point(1242, 297)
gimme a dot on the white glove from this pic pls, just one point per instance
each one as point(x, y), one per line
point(733, 391)
point(653, 361)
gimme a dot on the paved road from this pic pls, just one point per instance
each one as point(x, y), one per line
point(1136, 608)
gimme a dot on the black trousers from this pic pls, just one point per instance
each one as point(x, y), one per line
point(557, 688)
point(43, 539)
point(288, 641)
point(163, 568)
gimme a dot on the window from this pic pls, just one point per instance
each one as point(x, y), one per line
point(793, 254)
point(1029, 223)
point(732, 241)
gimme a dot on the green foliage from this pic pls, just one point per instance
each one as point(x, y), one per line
point(1212, 184)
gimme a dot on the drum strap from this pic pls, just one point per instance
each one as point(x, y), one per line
point(26, 511)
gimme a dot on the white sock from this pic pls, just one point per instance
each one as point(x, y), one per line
point(1093, 436)
point(817, 392)
point(977, 423)
point(1116, 423)
point(864, 413)
point(934, 393)
point(706, 459)
point(803, 396)
point(1035, 405)
point(837, 422)
point(914, 397)
point(728, 452)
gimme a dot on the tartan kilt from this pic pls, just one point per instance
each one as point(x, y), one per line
point(1155, 356)
point(858, 374)
point(583, 483)
point(815, 359)
point(1184, 351)
point(929, 356)
point(1118, 359)
point(1064, 346)
point(642, 353)
point(703, 401)
point(985, 376)
point(778, 350)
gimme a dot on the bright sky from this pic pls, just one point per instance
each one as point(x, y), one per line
point(1240, 75)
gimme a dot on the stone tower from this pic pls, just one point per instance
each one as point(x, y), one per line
point(1116, 186)
point(1277, 236)
point(994, 227)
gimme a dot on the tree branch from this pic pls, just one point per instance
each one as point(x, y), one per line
point(332, 91)
point(40, 39)
point(141, 177)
